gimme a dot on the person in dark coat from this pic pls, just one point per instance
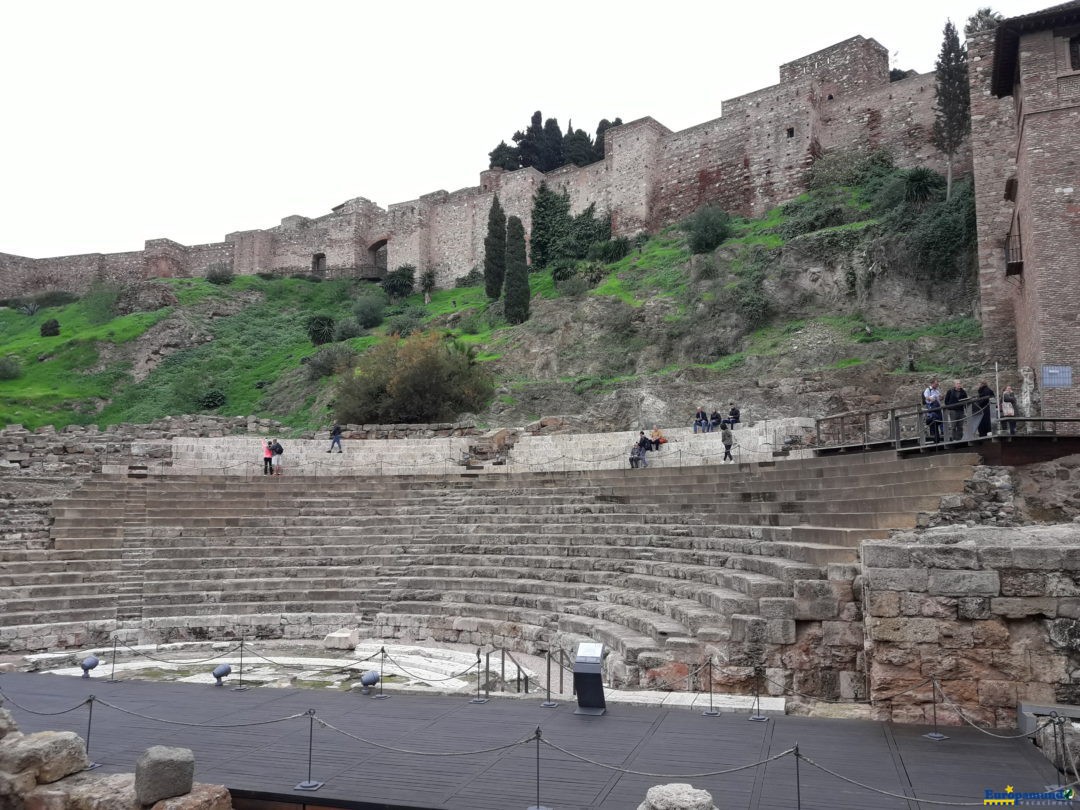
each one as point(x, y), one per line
point(701, 420)
point(1008, 408)
point(933, 420)
point(335, 438)
point(955, 398)
point(982, 404)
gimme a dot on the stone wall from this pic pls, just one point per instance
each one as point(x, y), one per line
point(992, 613)
point(748, 160)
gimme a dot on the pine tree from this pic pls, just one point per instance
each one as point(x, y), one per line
point(530, 143)
point(504, 156)
point(577, 146)
point(495, 250)
point(551, 154)
point(516, 305)
point(952, 100)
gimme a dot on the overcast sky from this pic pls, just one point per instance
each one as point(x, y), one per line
point(126, 121)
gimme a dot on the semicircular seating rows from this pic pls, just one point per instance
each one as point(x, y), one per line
point(664, 562)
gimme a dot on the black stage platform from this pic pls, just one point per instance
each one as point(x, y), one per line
point(272, 759)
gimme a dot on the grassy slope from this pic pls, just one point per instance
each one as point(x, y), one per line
point(64, 381)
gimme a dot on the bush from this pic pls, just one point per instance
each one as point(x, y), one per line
point(473, 278)
point(211, 398)
point(320, 328)
point(610, 251)
point(330, 360)
point(563, 269)
point(369, 311)
point(415, 380)
point(99, 303)
point(574, 287)
point(406, 322)
point(348, 329)
point(10, 368)
point(812, 212)
point(219, 273)
point(51, 328)
point(400, 282)
point(55, 298)
point(29, 308)
point(707, 228)
point(848, 168)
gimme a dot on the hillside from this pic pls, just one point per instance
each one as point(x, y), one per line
point(818, 306)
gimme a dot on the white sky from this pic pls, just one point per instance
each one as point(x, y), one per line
point(125, 121)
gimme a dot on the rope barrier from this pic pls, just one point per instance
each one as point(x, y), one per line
point(141, 716)
point(528, 739)
point(180, 663)
point(736, 769)
point(948, 701)
point(310, 667)
point(28, 710)
point(426, 679)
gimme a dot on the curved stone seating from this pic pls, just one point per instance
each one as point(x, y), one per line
point(655, 561)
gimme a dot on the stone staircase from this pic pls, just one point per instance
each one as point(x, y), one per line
point(665, 563)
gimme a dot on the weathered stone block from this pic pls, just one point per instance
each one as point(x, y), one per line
point(883, 603)
point(903, 629)
point(1017, 608)
point(818, 599)
point(933, 607)
point(946, 557)
point(163, 772)
point(1065, 633)
point(49, 755)
point(780, 631)
point(885, 555)
point(897, 579)
point(842, 634)
point(201, 797)
point(990, 633)
point(748, 629)
point(342, 640)
point(964, 583)
point(1069, 608)
point(973, 607)
point(7, 724)
point(852, 686)
point(776, 607)
point(676, 796)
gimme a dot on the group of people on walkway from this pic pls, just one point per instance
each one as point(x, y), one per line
point(272, 451)
point(656, 439)
point(946, 414)
point(707, 423)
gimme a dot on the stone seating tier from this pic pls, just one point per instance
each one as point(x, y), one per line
point(660, 559)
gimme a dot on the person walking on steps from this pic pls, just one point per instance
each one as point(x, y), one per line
point(277, 450)
point(728, 440)
point(268, 458)
point(335, 438)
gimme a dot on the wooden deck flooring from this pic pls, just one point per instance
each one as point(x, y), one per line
point(272, 759)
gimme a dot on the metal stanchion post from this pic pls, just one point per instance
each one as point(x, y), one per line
point(935, 735)
point(382, 661)
point(479, 676)
point(90, 764)
point(538, 806)
point(240, 687)
point(755, 712)
point(798, 783)
point(710, 712)
point(112, 672)
point(309, 783)
point(549, 703)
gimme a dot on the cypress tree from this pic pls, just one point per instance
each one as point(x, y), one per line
point(495, 250)
point(551, 154)
point(952, 100)
point(516, 305)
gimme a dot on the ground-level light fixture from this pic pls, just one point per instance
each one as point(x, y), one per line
point(88, 664)
point(221, 671)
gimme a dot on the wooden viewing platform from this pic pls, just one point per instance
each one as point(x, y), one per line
point(268, 761)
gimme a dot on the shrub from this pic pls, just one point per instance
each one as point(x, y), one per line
point(419, 379)
point(330, 360)
point(848, 168)
point(30, 308)
point(55, 298)
point(610, 251)
point(812, 212)
point(266, 276)
point(563, 269)
point(369, 310)
point(406, 322)
point(10, 368)
point(347, 329)
point(51, 328)
point(473, 278)
point(574, 287)
point(211, 398)
point(706, 228)
point(400, 282)
point(219, 273)
point(99, 303)
point(320, 328)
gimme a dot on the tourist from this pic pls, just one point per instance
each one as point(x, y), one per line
point(277, 450)
point(955, 398)
point(701, 420)
point(733, 416)
point(728, 440)
point(931, 393)
point(636, 456)
point(933, 419)
point(985, 394)
point(1008, 408)
point(335, 438)
point(657, 437)
point(268, 458)
point(715, 420)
